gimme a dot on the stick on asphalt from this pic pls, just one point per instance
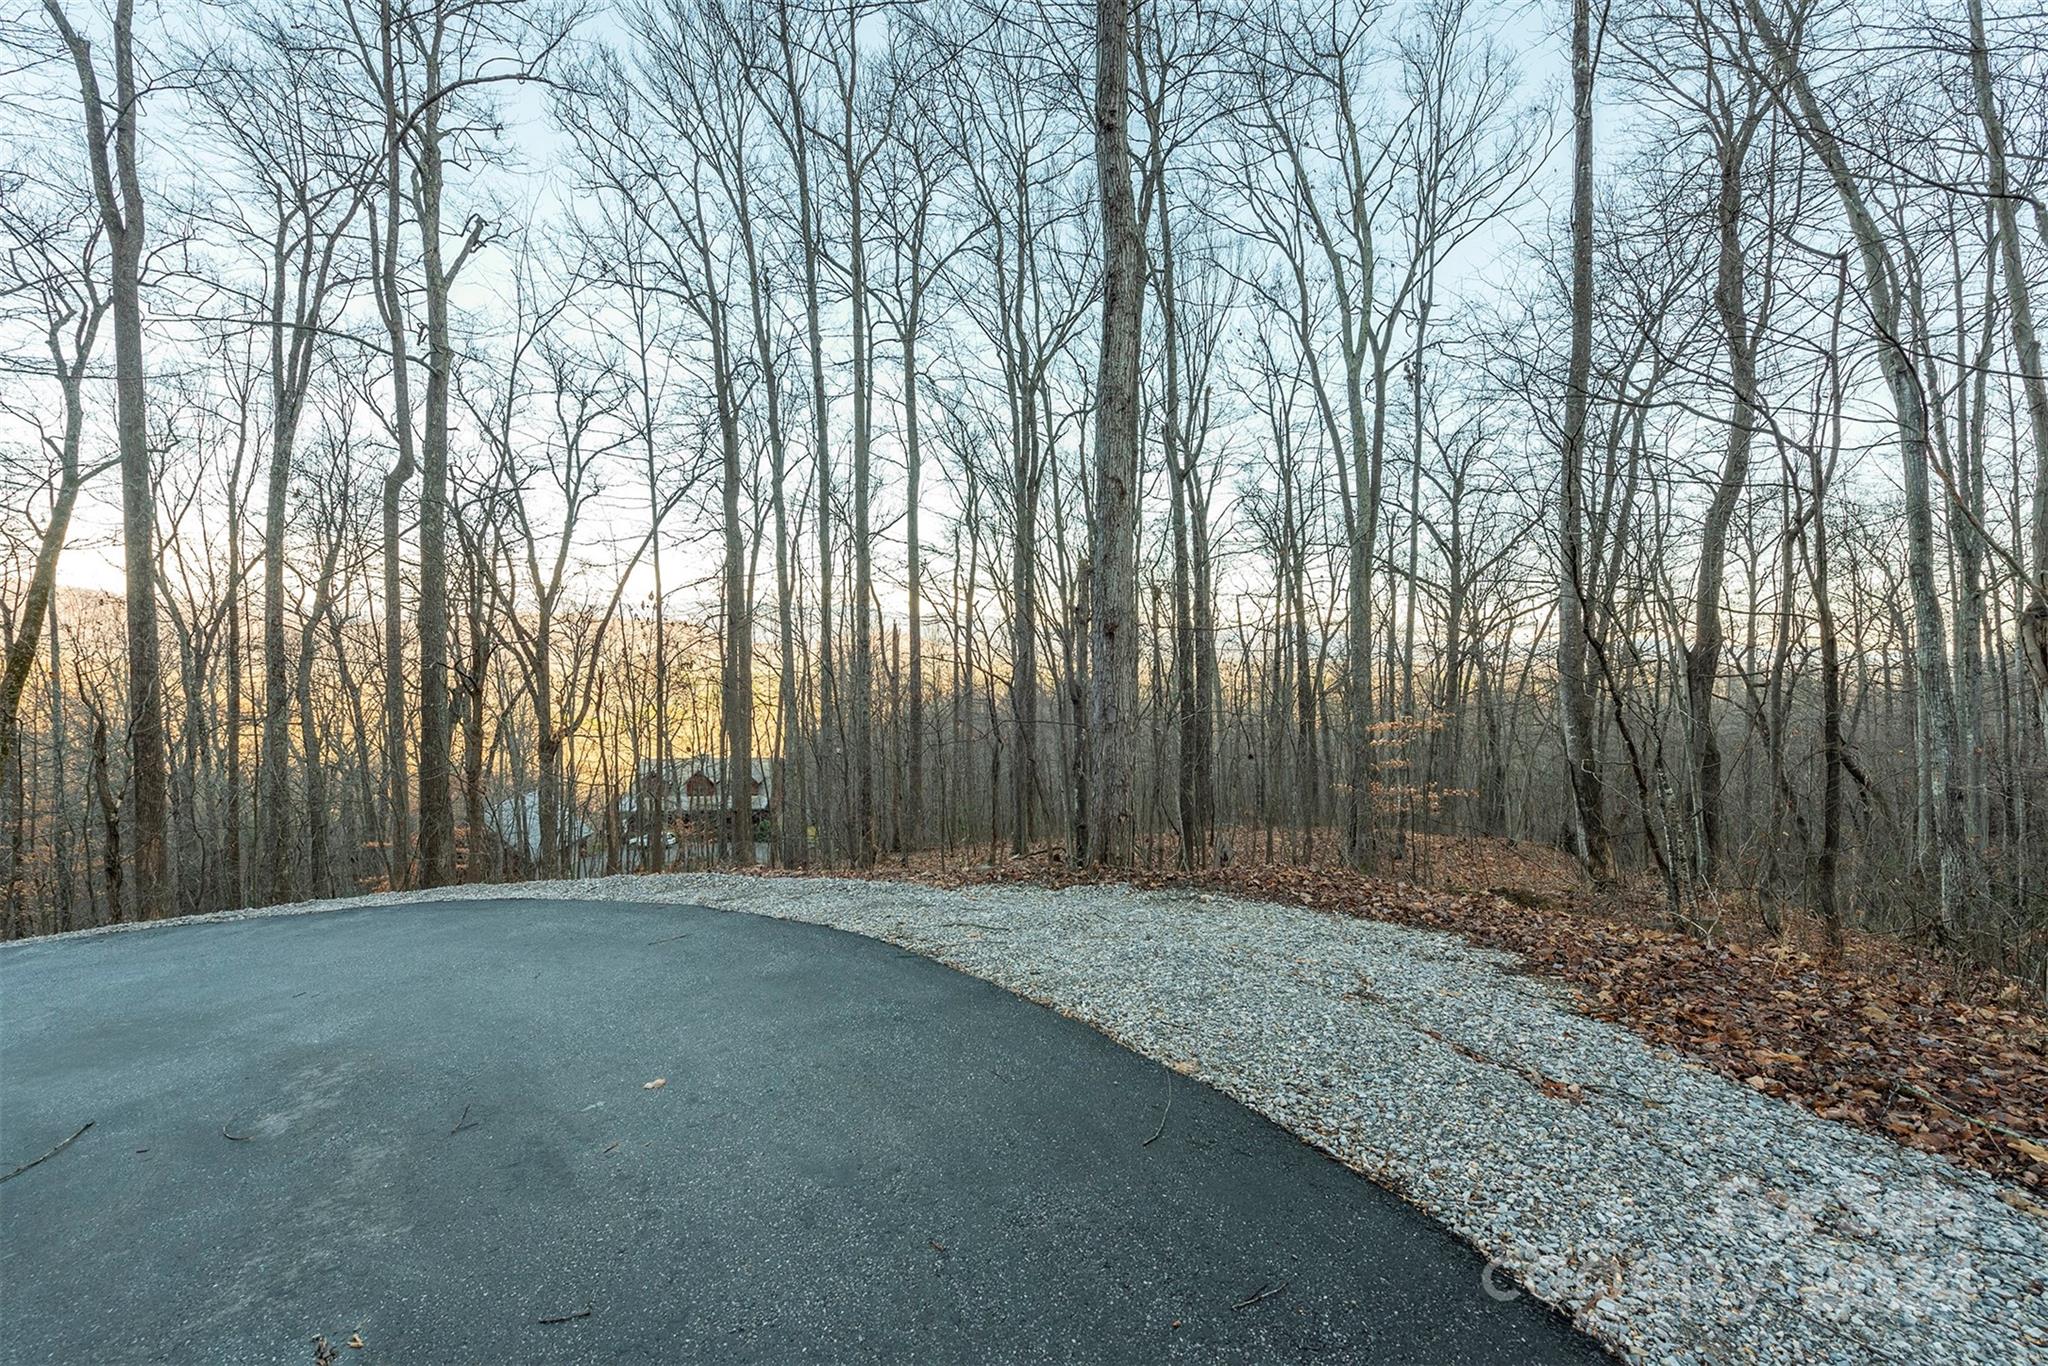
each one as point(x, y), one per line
point(1162, 1117)
point(50, 1154)
point(582, 1313)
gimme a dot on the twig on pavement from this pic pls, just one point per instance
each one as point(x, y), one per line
point(1162, 1116)
point(50, 1154)
point(582, 1313)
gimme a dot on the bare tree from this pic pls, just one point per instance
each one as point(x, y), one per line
point(1575, 695)
point(117, 183)
point(269, 102)
point(1790, 85)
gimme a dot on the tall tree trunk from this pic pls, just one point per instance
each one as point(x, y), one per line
point(1703, 654)
point(1833, 749)
point(437, 807)
point(1113, 641)
point(1024, 625)
point(1575, 695)
point(862, 702)
point(384, 250)
point(827, 776)
point(273, 782)
point(737, 700)
point(739, 685)
point(234, 854)
point(913, 457)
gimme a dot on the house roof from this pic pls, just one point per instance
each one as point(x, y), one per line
point(711, 766)
point(676, 776)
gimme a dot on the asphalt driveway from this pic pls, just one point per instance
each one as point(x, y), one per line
point(431, 1129)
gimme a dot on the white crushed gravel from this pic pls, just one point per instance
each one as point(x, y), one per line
point(1676, 1215)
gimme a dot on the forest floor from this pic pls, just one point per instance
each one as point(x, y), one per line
point(1931, 1053)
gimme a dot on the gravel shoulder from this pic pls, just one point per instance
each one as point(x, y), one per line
point(1676, 1215)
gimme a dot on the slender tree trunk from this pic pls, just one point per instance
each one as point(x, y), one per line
point(384, 247)
point(273, 783)
point(1024, 627)
point(1827, 864)
point(1703, 655)
point(1363, 518)
point(913, 814)
point(1575, 696)
point(863, 682)
point(795, 843)
point(739, 689)
point(437, 808)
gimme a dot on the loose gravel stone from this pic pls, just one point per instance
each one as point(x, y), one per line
point(1678, 1216)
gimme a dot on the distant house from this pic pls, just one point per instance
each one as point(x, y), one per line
point(516, 824)
point(689, 791)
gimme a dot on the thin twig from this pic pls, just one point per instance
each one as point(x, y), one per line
point(234, 1138)
point(463, 1123)
point(582, 1313)
point(1162, 1116)
point(1979, 1120)
point(671, 939)
point(1265, 1293)
point(50, 1154)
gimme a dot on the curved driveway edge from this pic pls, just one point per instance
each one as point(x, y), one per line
point(1676, 1215)
point(549, 1132)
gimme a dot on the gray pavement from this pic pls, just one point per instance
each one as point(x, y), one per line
point(429, 1126)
